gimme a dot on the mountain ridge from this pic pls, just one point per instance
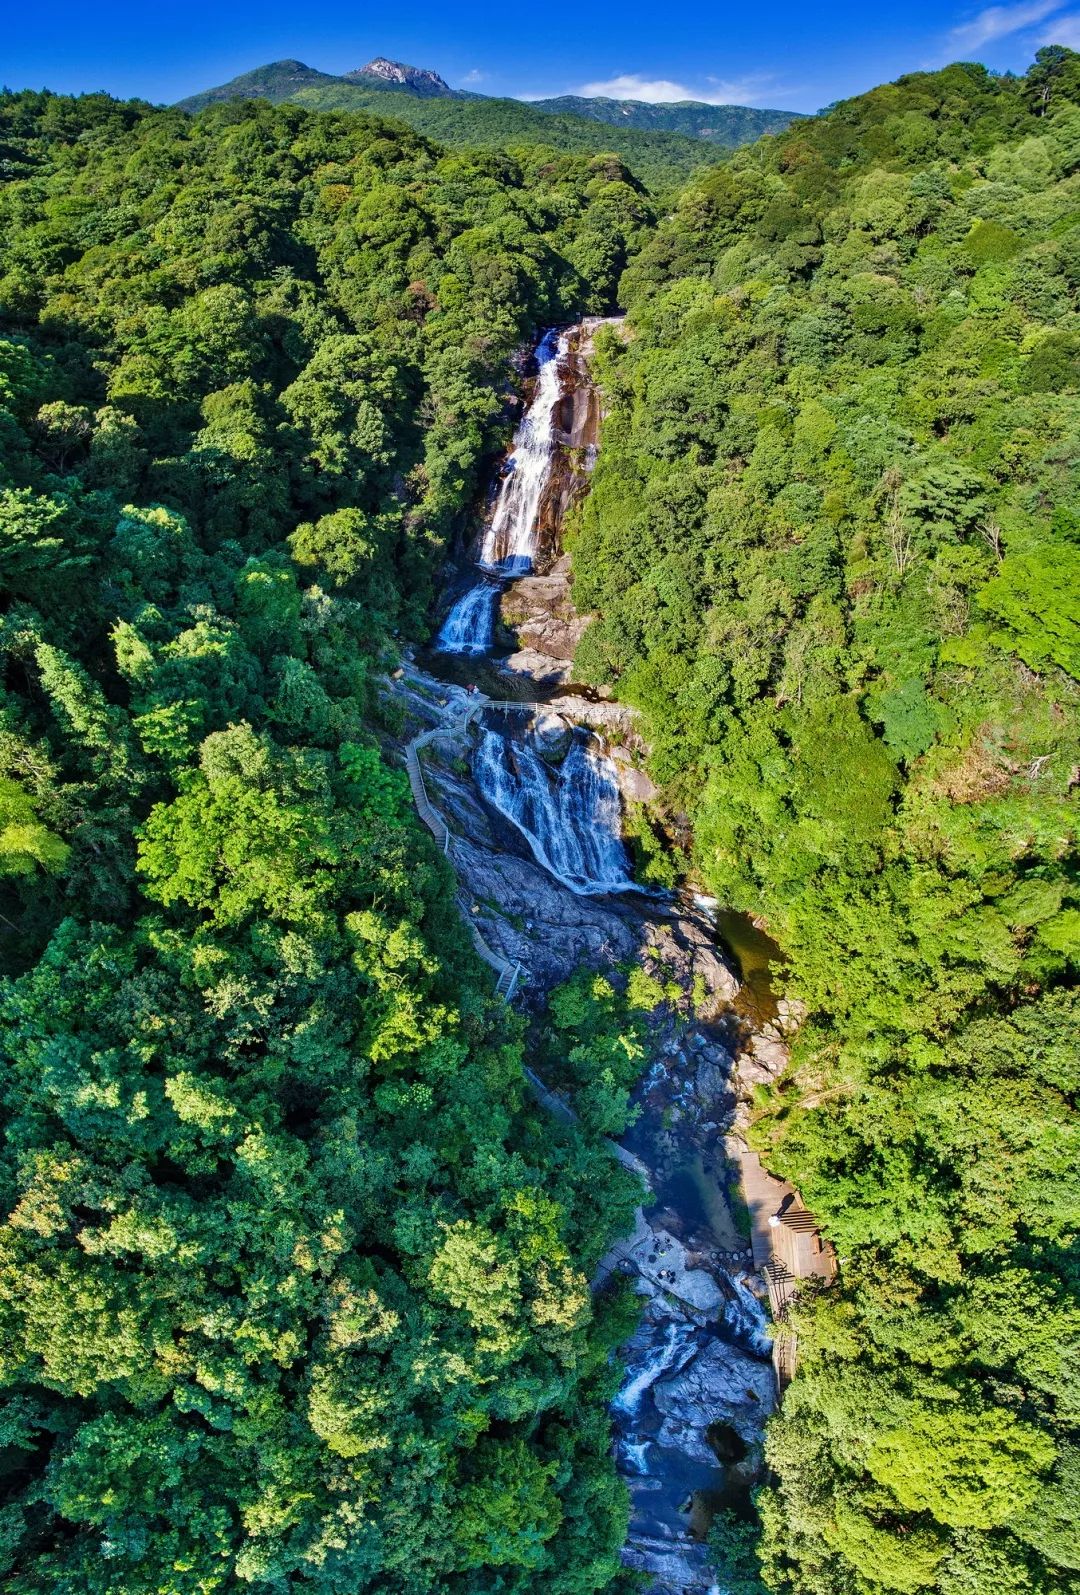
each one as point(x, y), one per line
point(723, 125)
point(726, 125)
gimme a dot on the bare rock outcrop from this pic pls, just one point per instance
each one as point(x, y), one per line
point(540, 611)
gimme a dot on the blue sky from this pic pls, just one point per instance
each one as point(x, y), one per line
point(791, 55)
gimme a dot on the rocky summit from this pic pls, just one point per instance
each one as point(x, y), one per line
point(415, 79)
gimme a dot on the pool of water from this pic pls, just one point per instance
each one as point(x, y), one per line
point(700, 1199)
point(757, 955)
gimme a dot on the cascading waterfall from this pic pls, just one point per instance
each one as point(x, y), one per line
point(570, 817)
point(746, 1317)
point(470, 625)
point(569, 814)
point(509, 546)
point(673, 1347)
point(510, 541)
point(634, 1455)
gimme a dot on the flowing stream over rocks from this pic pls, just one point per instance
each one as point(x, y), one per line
point(570, 816)
point(531, 794)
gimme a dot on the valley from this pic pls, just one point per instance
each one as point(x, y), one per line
point(539, 892)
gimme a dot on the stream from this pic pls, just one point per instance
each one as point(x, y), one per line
point(535, 820)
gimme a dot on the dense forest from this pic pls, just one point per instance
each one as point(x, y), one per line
point(661, 160)
point(484, 120)
point(834, 549)
point(293, 1284)
point(725, 125)
point(293, 1275)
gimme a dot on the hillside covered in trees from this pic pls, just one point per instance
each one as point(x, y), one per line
point(662, 160)
point(726, 125)
point(834, 549)
point(292, 1280)
point(496, 122)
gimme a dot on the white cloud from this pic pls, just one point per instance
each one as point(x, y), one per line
point(999, 22)
point(662, 91)
point(475, 76)
point(631, 86)
point(1066, 30)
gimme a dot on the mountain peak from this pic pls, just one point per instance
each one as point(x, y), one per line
point(275, 81)
point(418, 79)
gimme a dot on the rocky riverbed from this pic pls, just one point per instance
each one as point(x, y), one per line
point(532, 799)
point(699, 1382)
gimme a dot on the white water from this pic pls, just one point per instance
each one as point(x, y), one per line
point(509, 546)
point(747, 1317)
point(470, 625)
point(635, 1455)
point(571, 817)
point(665, 1356)
point(571, 820)
point(510, 541)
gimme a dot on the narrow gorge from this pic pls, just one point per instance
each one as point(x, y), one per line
point(528, 778)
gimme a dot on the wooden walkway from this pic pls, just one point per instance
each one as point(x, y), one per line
point(508, 974)
point(559, 1108)
point(788, 1248)
point(427, 812)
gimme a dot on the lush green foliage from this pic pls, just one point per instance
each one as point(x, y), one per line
point(292, 1275)
point(726, 125)
point(594, 1042)
point(293, 1280)
point(662, 144)
point(276, 81)
point(660, 159)
point(834, 546)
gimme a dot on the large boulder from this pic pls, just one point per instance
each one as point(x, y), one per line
point(719, 1384)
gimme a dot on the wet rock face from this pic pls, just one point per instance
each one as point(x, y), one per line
point(550, 930)
point(698, 1383)
point(722, 1387)
point(539, 922)
point(688, 1421)
point(578, 414)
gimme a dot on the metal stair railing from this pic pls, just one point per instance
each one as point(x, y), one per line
point(430, 815)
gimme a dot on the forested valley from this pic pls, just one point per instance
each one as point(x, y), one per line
point(834, 544)
point(293, 1283)
point(294, 1286)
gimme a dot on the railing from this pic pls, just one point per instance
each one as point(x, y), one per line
point(559, 1108)
point(427, 812)
point(785, 1356)
point(508, 974)
point(504, 986)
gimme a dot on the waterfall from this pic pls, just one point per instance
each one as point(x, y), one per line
point(510, 540)
point(680, 1374)
point(661, 1358)
point(509, 545)
point(470, 625)
point(634, 1454)
point(571, 817)
point(746, 1317)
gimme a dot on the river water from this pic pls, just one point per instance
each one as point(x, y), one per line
point(698, 1382)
